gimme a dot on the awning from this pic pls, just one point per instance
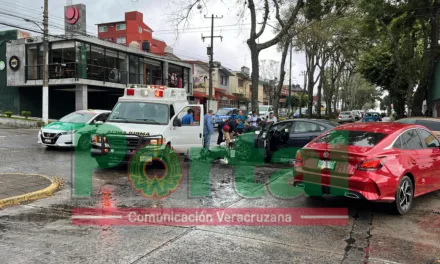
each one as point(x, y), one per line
point(200, 95)
point(220, 90)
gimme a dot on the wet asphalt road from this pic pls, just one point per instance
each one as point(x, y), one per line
point(42, 231)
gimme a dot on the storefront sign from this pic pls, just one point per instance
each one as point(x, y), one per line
point(2, 65)
point(75, 19)
point(14, 63)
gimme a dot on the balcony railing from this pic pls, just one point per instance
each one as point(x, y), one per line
point(93, 72)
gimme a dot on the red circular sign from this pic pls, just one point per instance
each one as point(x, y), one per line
point(72, 15)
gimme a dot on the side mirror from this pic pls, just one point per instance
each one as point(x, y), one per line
point(286, 130)
point(257, 132)
point(98, 123)
point(177, 122)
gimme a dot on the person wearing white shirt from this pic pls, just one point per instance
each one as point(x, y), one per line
point(253, 119)
point(272, 118)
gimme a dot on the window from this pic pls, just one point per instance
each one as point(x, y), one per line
point(140, 112)
point(195, 118)
point(121, 26)
point(102, 117)
point(140, 29)
point(398, 144)
point(77, 117)
point(430, 140)
point(134, 67)
point(240, 83)
point(223, 80)
point(175, 76)
point(352, 138)
point(411, 140)
point(307, 127)
point(280, 127)
point(103, 28)
point(35, 62)
point(152, 70)
point(121, 40)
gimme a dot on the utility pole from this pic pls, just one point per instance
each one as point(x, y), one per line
point(289, 102)
point(211, 56)
point(45, 112)
point(303, 73)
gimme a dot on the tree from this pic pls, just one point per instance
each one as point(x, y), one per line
point(269, 72)
point(407, 33)
point(185, 9)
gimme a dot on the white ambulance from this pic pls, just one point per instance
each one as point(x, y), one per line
point(148, 117)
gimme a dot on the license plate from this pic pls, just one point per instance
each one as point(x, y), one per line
point(145, 158)
point(48, 141)
point(326, 164)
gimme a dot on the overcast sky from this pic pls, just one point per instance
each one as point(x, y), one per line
point(232, 52)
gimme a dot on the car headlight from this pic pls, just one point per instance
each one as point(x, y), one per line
point(99, 139)
point(224, 119)
point(71, 132)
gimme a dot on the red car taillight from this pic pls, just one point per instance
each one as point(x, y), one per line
point(372, 165)
point(349, 117)
point(340, 116)
point(298, 159)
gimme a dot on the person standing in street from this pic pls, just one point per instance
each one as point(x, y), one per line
point(208, 129)
point(240, 126)
point(272, 118)
point(253, 119)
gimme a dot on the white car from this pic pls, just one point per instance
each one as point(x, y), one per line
point(61, 133)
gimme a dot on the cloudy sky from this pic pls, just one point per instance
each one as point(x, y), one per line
point(232, 52)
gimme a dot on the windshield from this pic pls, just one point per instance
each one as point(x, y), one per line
point(346, 113)
point(77, 117)
point(224, 112)
point(140, 112)
point(352, 138)
point(264, 108)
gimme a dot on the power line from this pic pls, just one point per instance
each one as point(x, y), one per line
point(231, 25)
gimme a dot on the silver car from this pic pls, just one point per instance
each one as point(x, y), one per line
point(347, 117)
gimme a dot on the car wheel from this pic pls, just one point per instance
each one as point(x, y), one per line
point(84, 142)
point(404, 195)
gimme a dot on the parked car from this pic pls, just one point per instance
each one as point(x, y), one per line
point(265, 110)
point(347, 117)
point(284, 138)
point(431, 123)
point(358, 114)
point(380, 162)
point(223, 114)
point(304, 111)
point(372, 117)
point(61, 133)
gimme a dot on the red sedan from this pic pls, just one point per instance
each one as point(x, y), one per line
point(381, 162)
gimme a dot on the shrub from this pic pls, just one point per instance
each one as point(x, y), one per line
point(41, 123)
point(8, 113)
point(26, 114)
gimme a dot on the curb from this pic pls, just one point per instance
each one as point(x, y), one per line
point(37, 195)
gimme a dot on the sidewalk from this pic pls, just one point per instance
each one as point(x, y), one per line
point(18, 188)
